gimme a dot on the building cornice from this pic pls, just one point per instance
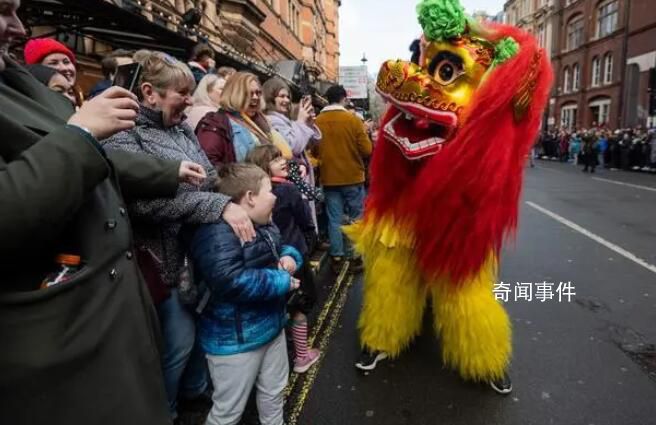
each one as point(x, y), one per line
point(595, 91)
point(590, 44)
point(249, 7)
point(642, 29)
point(279, 46)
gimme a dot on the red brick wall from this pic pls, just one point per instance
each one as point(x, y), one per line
point(584, 55)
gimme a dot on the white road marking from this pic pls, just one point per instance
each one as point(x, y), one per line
point(637, 186)
point(623, 252)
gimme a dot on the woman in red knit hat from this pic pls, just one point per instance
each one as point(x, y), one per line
point(53, 54)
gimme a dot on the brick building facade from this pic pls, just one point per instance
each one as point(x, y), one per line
point(640, 62)
point(602, 52)
point(246, 34)
point(588, 63)
point(535, 16)
point(304, 30)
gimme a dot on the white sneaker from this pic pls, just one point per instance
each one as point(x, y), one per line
point(368, 360)
point(502, 386)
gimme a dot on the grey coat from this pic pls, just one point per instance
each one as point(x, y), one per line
point(158, 223)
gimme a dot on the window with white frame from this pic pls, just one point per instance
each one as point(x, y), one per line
point(540, 35)
point(575, 32)
point(607, 17)
point(568, 115)
point(596, 72)
point(576, 77)
point(600, 110)
point(294, 17)
point(608, 68)
point(566, 80)
point(604, 113)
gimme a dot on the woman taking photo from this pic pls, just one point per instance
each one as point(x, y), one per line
point(165, 92)
point(299, 133)
point(278, 106)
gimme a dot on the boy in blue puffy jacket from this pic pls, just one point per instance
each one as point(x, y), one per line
point(242, 327)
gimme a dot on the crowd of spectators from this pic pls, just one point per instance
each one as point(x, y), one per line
point(631, 149)
point(228, 184)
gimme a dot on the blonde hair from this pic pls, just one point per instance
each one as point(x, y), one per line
point(236, 92)
point(226, 72)
point(238, 178)
point(141, 55)
point(164, 72)
point(205, 86)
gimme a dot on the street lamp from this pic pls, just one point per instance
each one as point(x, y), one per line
point(364, 61)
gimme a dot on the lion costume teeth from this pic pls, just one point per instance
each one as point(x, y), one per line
point(445, 182)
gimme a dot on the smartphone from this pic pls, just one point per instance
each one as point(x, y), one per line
point(306, 100)
point(128, 76)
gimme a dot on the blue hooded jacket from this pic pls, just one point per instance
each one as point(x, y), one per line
point(246, 309)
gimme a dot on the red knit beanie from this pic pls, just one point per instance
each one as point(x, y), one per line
point(38, 48)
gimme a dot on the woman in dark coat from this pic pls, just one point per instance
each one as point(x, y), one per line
point(87, 350)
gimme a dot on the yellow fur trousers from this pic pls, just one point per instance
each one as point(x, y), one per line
point(474, 328)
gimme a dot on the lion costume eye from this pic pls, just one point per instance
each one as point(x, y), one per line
point(446, 72)
point(446, 67)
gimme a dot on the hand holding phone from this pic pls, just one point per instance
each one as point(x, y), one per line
point(305, 110)
point(128, 76)
point(111, 111)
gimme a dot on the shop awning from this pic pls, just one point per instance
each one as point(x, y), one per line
point(119, 25)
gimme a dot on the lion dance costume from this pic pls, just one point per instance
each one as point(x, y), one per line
point(445, 184)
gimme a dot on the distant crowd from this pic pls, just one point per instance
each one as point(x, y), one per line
point(632, 149)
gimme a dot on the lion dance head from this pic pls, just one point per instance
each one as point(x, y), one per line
point(462, 116)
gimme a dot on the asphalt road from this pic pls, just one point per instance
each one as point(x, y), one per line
point(590, 361)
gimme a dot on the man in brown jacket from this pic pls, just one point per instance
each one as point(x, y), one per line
point(342, 151)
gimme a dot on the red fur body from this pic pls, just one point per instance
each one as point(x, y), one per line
point(463, 202)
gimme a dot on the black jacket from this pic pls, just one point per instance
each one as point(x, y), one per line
point(292, 216)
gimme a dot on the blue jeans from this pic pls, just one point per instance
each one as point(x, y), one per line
point(342, 201)
point(183, 361)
